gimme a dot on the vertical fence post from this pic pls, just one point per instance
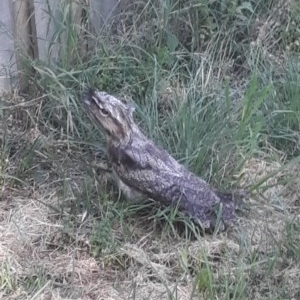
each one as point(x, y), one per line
point(24, 38)
point(101, 12)
point(7, 58)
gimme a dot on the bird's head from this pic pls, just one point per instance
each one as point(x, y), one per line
point(114, 117)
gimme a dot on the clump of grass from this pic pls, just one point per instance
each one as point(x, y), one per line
point(7, 280)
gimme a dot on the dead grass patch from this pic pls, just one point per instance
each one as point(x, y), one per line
point(47, 247)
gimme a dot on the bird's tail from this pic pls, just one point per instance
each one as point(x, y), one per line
point(230, 204)
point(233, 198)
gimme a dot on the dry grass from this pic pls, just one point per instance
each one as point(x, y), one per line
point(48, 252)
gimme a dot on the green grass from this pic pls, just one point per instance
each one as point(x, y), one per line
point(214, 84)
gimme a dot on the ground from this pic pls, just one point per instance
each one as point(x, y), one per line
point(46, 252)
point(232, 116)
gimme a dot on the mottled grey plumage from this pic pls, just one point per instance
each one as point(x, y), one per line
point(144, 169)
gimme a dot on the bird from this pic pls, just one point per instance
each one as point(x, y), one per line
point(143, 169)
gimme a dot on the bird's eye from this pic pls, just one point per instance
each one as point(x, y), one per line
point(104, 112)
